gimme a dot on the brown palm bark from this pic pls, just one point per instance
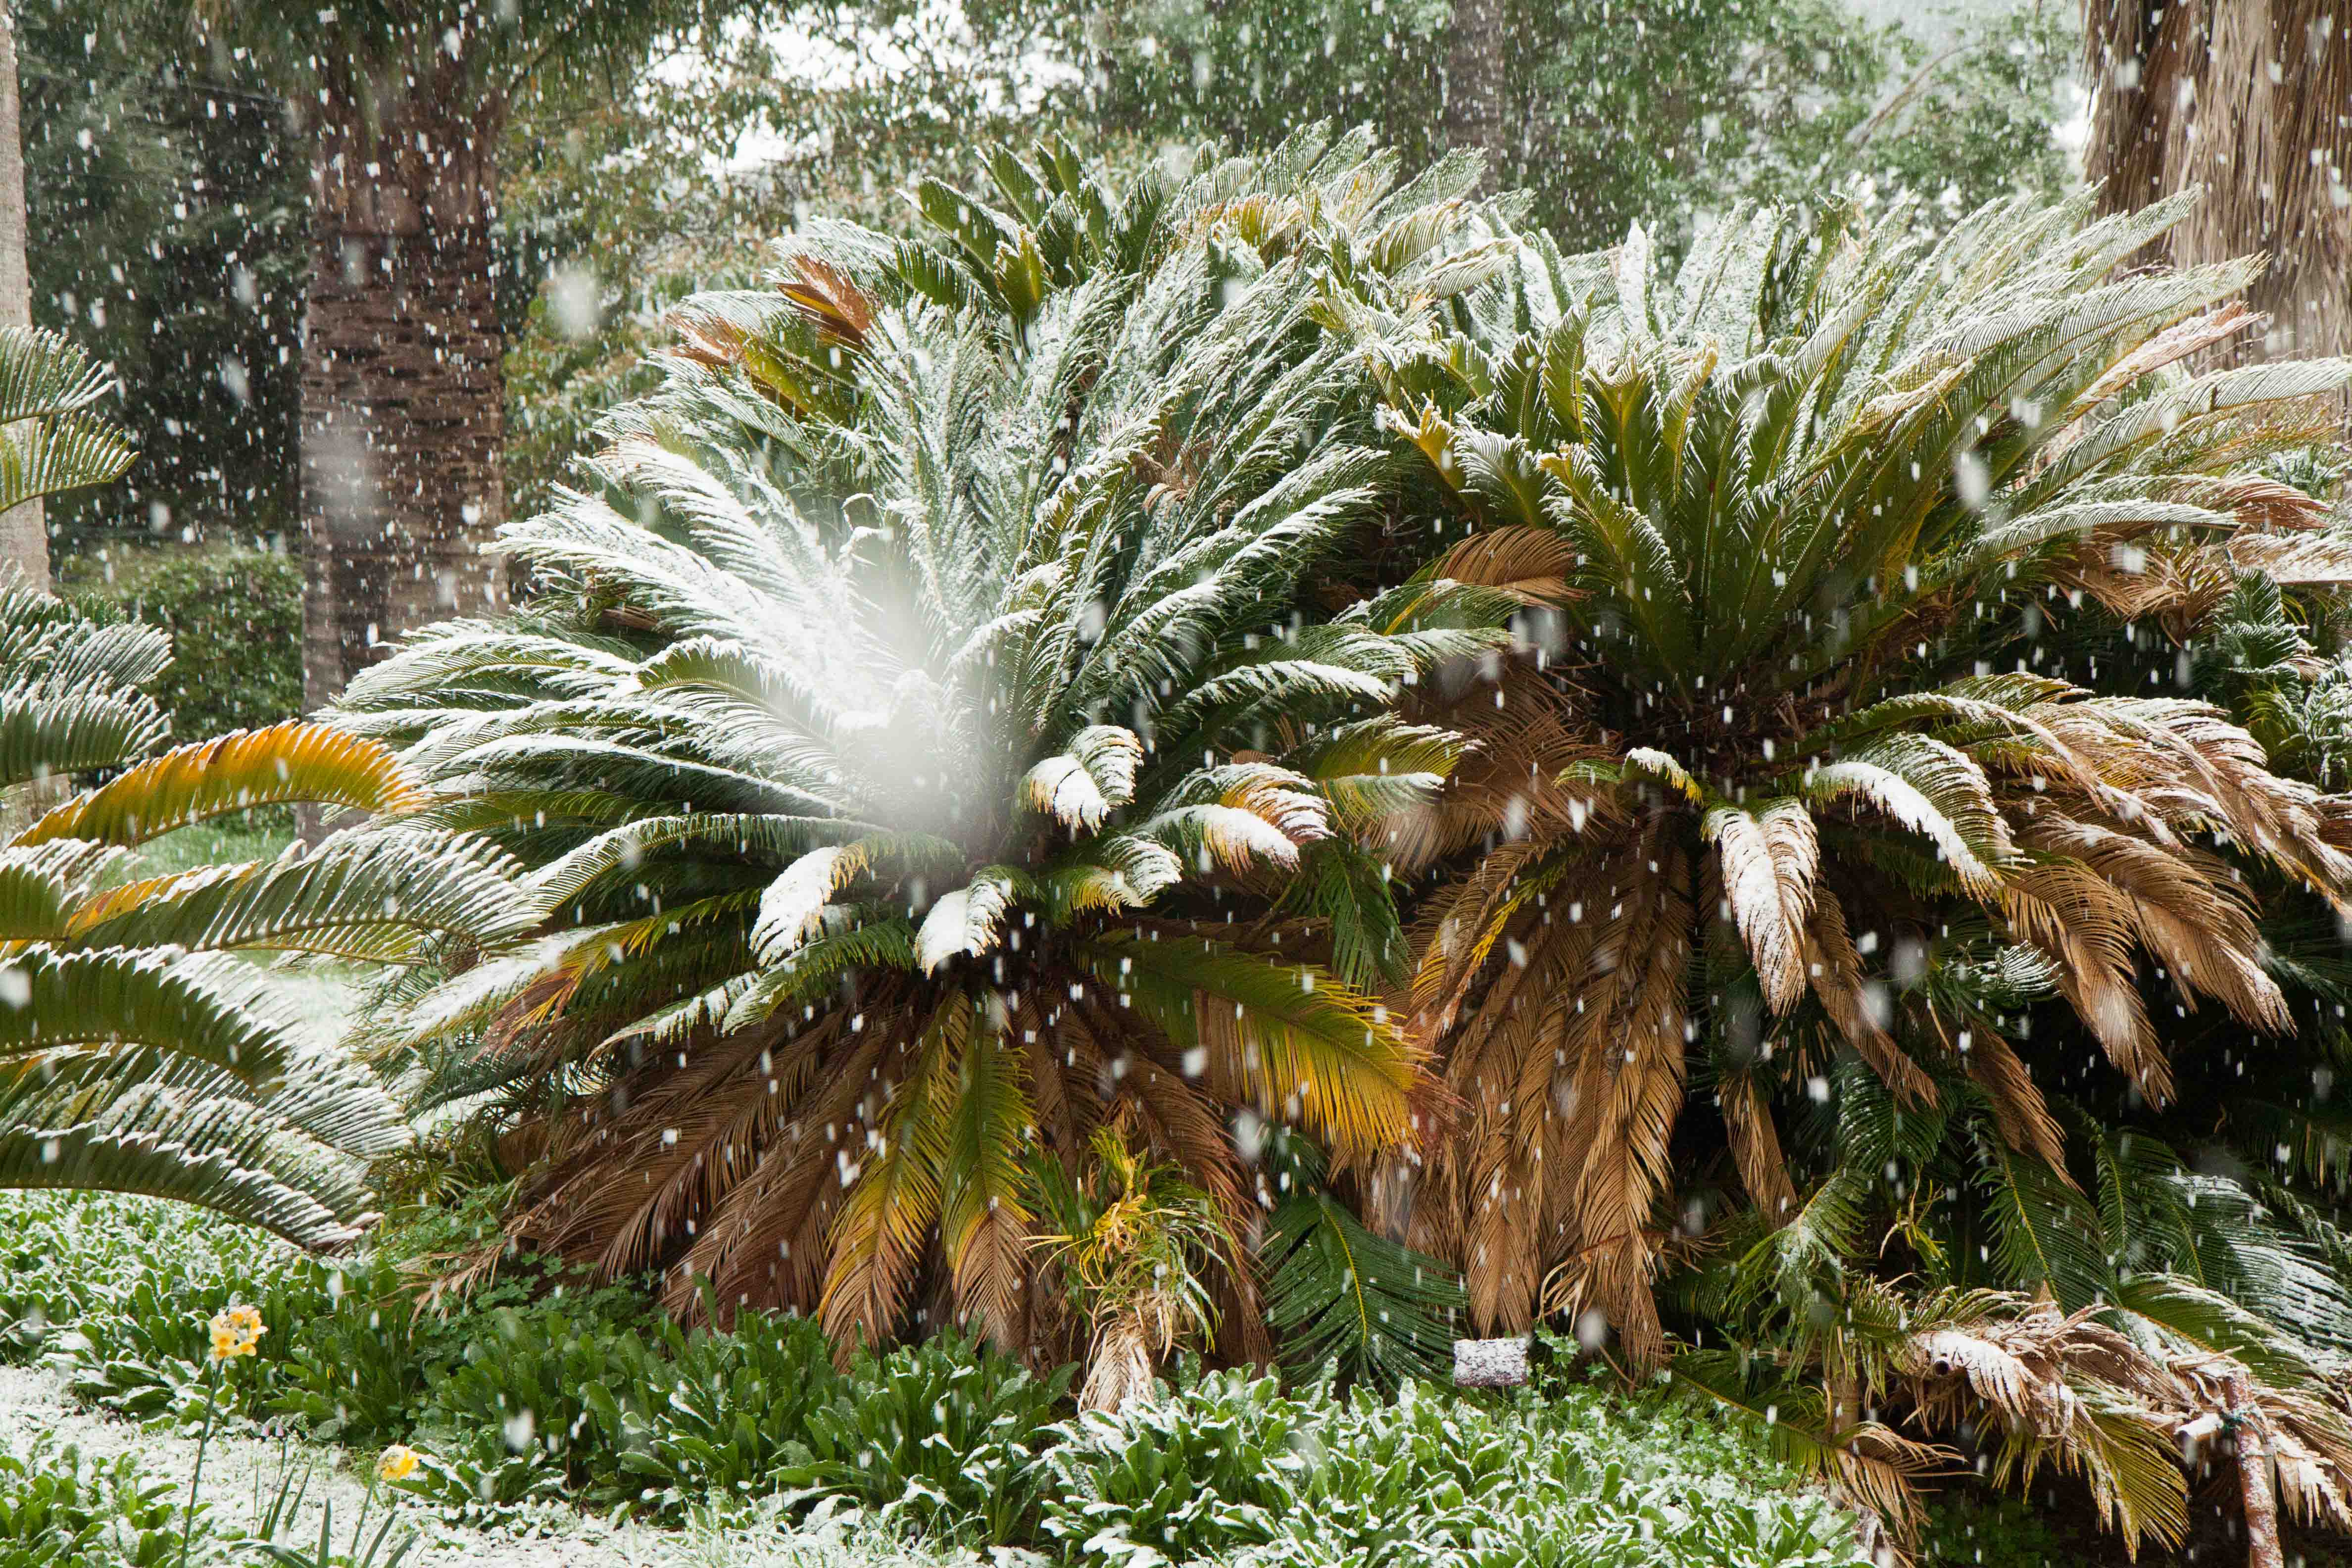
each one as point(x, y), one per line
point(24, 534)
point(1477, 82)
point(2248, 99)
point(2262, 1550)
point(402, 387)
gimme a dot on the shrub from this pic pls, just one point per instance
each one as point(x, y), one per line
point(235, 621)
point(147, 1356)
point(361, 1372)
point(533, 1396)
point(528, 1386)
point(1211, 1469)
point(723, 1419)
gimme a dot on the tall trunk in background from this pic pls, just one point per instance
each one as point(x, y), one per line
point(24, 534)
point(1477, 82)
point(403, 409)
point(2249, 98)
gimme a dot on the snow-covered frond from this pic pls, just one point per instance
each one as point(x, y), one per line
point(1769, 859)
point(761, 836)
point(968, 921)
point(1080, 787)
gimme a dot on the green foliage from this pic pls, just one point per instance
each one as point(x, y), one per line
point(940, 1434)
point(722, 1419)
point(1233, 1469)
point(139, 1051)
point(1172, 1480)
point(942, 1440)
point(1966, 1529)
point(1339, 1294)
point(235, 618)
point(60, 1508)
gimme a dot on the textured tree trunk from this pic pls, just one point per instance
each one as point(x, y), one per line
point(403, 420)
point(24, 534)
point(2246, 97)
point(1477, 82)
point(2262, 1549)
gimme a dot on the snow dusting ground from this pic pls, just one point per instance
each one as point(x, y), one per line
point(243, 1472)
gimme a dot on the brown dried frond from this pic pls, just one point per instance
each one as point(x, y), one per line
point(1533, 563)
point(1756, 1145)
point(2084, 926)
point(1633, 1085)
point(2189, 911)
point(825, 296)
point(1526, 732)
point(2068, 1391)
point(1120, 1366)
point(1835, 970)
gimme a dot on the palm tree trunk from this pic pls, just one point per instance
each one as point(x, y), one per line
point(24, 535)
point(403, 418)
point(1478, 83)
point(2255, 1476)
point(2245, 98)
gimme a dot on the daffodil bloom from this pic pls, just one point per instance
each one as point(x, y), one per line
point(397, 1463)
point(237, 1332)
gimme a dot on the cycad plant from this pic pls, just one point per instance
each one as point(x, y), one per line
point(2125, 1382)
point(1133, 1252)
point(1788, 773)
point(55, 440)
point(140, 1050)
point(924, 746)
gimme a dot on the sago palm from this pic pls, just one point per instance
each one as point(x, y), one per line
point(923, 751)
point(2102, 1391)
point(1787, 773)
point(139, 1051)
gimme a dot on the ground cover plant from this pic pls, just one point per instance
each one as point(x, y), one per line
point(574, 1397)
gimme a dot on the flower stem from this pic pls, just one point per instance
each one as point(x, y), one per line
point(196, 1477)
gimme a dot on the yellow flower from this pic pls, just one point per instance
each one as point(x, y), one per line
point(397, 1463)
point(237, 1332)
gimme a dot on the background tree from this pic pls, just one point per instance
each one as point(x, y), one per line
point(24, 538)
point(2247, 99)
point(1478, 81)
point(402, 108)
point(1607, 111)
point(171, 166)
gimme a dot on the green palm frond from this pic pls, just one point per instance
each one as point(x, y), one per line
point(50, 441)
point(65, 452)
point(132, 1058)
point(47, 734)
point(377, 896)
point(166, 1164)
point(1339, 1294)
point(43, 374)
point(284, 763)
point(1301, 1046)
